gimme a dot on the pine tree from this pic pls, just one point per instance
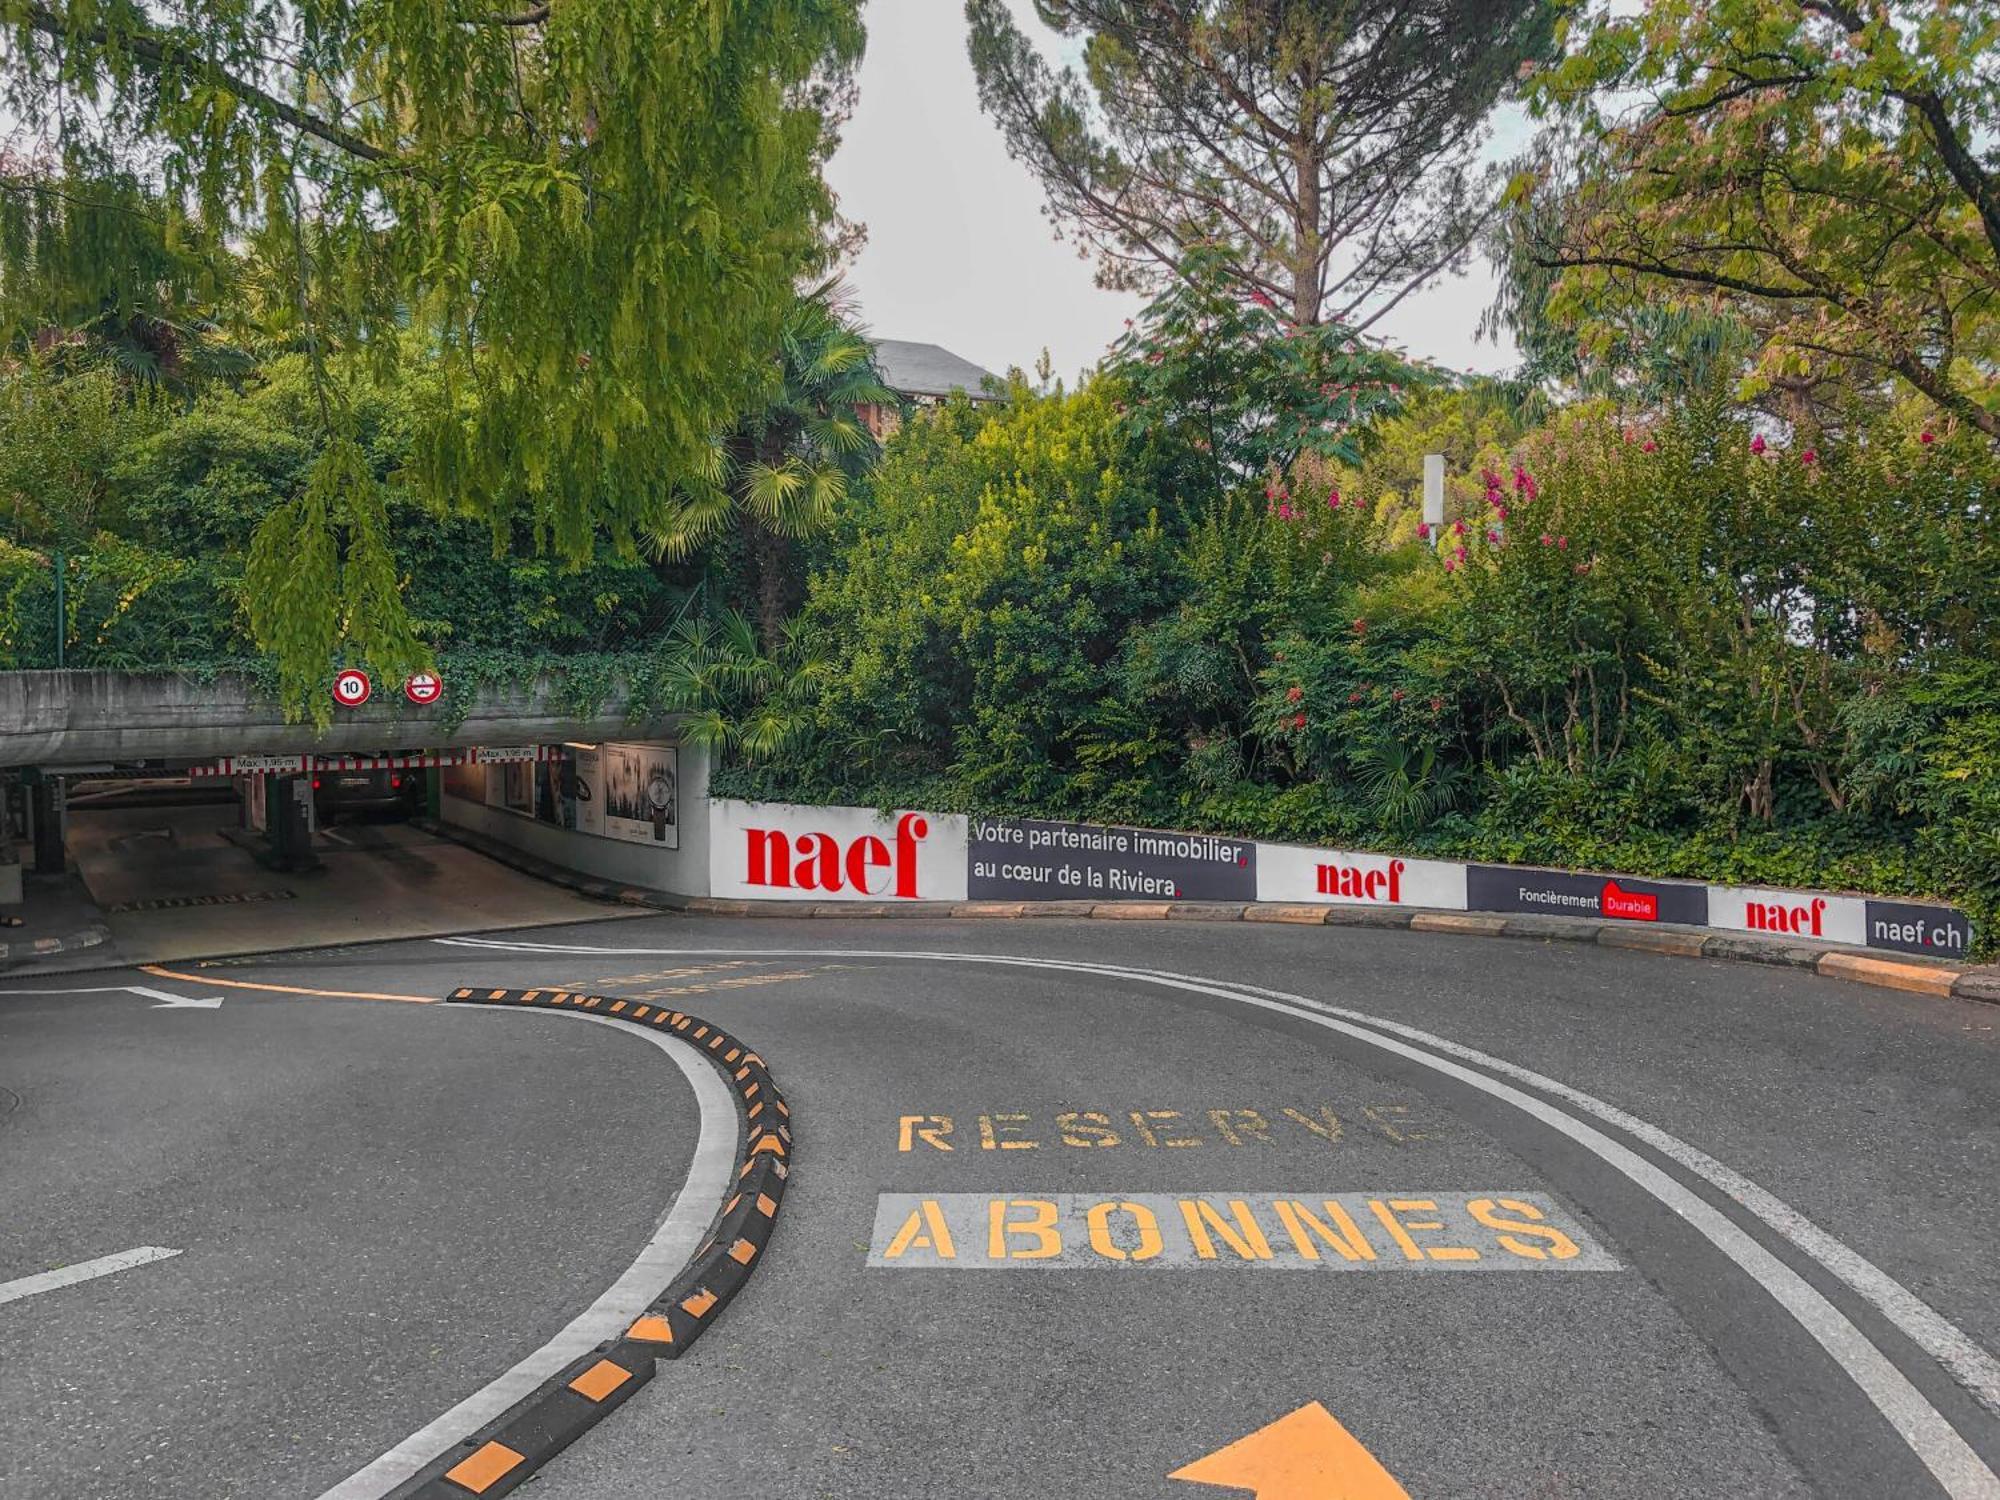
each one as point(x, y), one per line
point(1327, 144)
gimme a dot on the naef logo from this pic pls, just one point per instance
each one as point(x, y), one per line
point(819, 862)
point(1776, 916)
point(1357, 884)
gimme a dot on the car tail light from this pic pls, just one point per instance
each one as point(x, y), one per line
point(395, 782)
point(315, 783)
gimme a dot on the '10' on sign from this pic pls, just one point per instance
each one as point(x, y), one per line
point(351, 687)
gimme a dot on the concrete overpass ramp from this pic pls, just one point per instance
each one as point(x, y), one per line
point(57, 720)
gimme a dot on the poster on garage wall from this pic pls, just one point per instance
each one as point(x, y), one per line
point(642, 794)
point(588, 789)
point(517, 784)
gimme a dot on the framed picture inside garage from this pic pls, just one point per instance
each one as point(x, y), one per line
point(641, 794)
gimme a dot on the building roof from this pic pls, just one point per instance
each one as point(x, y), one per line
point(927, 370)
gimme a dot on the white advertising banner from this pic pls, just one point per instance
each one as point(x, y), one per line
point(1832, 919)
point(1289, 873)
point(779, 851)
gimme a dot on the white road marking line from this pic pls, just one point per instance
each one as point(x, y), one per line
point(1962, 1473)
point(1944, 1341)
point(672, 1246)
point(88, 1270)
point(166, 1001)
point(107, 989)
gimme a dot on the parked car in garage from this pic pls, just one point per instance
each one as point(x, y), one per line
point(338, 794)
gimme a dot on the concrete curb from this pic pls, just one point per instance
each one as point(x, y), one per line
point(25, 951)
point(509, 1451)
point(517, 859)
point(1914, 976)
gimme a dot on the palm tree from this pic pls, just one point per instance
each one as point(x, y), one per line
point(781, 471)
point(110, 280)
point(732, 693)
point(1407, 787)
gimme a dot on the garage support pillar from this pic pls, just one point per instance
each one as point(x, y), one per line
point(46, 804)
point(288, 817)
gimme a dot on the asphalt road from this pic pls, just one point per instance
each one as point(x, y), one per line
point(379, 1207)
point(1054, 1229)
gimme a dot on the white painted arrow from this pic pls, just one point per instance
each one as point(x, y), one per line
point(176, 1002)
point(165, 1000)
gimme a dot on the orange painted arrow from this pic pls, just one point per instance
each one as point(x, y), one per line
point(1305, 1456)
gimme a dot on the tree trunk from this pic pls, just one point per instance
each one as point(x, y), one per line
point(1759, 799)
point(771, 553)
point(1306, 238)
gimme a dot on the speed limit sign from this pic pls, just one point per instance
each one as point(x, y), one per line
point(351, 687)
point(423, 687)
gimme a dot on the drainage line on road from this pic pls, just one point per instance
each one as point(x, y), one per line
point(508, 1451)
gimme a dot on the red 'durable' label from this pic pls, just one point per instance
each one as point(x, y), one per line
point(1633, 906)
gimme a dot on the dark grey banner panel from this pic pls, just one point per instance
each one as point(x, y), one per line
point(1026, 859)
point(1556, 894)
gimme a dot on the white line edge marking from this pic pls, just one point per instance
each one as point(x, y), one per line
point(166, 1000)
point(107, 989)
point(673, 1244)
point(1940, 1447)
point(85, 1270)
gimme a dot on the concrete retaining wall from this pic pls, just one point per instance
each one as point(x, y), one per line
point(82, 718)
point(680, 872)
point(775, 851)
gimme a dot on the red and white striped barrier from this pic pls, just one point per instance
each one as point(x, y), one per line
point(299, 765)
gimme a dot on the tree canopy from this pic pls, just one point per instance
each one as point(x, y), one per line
point(590, 214)
point(1824, 172)
point(1328, 143)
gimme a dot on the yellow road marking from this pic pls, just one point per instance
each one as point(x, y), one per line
point(656, 989)
point(1297, 1457)
point(284, 989)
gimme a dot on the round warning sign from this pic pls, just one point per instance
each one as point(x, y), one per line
point(351, 688)
point(424, 687)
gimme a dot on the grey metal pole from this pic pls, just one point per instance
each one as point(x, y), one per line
point(62, 607)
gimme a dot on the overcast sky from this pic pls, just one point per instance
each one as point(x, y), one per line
point(959, 251)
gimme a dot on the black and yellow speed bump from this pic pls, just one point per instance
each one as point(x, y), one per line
point(507, 1452)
